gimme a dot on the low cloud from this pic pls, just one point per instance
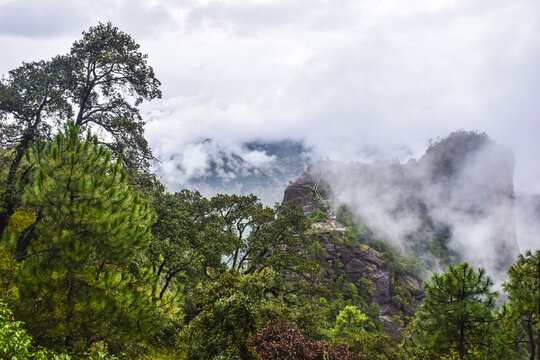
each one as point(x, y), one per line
point(463, 183)
point(210, 159)
point(351, 80)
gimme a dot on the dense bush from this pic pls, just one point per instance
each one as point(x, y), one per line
point(283, 340)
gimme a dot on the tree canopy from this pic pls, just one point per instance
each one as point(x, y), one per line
point(79, 271)
point(100, 82)
point(456, 318)
point(523, 287)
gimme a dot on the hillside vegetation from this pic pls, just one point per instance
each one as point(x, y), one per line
point(99, 261)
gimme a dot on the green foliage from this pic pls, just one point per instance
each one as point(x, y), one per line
point(199, 242)
point(16, 343)
point(186, 244)
point(324, 205)
point(101, 83)
point(78, 267)
point(353, 329)
point(195, 238)
point(402, 297)
point(317, 216)
point(350, 319)
point(102, 68)
point(456, 318)
point(229, 312)
point(365, 288)
point(523, 308)
point(21, 220)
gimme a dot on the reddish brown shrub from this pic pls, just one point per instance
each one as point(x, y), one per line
point(283, 340)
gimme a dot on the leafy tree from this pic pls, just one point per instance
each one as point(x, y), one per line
point(523, 287)
point(353, 329)
point(456, 318)
point(350, 319)
point(188, 243)
point(108, 77)
point(259, 237)
point(15, 343)
point(101, 82)
point(229, 312)
point(194, 237)
point(78, 266)
point(31, 98)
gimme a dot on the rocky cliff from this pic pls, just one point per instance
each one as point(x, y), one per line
point(358, 261)
point(456, 203)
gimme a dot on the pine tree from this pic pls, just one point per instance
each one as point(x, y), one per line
point(101, 82)
point(78, 272)
point(456, 318)
point(523, 289)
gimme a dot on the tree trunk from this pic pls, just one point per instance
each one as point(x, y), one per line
point(531, 344)
point(10, 198)
point(461, 343)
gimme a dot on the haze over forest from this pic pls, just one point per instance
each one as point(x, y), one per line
point(397, 143)
point(350, 80)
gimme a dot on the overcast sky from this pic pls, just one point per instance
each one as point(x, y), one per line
point(344, 76)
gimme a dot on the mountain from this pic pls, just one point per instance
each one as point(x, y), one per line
point(261, 168)
point(393, 223)
point(455, 202)
point(394, 291)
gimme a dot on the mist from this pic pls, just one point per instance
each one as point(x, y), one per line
point(366, 82)
point(464, 183)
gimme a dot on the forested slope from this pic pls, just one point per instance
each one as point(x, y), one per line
point(99, 261)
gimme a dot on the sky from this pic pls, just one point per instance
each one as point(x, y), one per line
point(351, 79)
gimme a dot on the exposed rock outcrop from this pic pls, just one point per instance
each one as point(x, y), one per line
point(357, 262)
point(454, 204)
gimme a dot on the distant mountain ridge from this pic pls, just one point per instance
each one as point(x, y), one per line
point(258, 167)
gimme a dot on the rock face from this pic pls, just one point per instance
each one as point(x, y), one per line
point(302, 192)
point(357, 262)
point(473, 177)
point(454, 204)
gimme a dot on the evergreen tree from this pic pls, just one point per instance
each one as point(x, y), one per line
point(523, 289)
point(101, 82)
point(79, 272)
point(351, 329)
point(456, 318)
point(350, 319)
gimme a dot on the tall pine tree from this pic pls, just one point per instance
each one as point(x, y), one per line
point(457, 318)
point(79, 272)
point(523, 289)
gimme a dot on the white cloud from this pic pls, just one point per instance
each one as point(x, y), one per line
point(351, 78)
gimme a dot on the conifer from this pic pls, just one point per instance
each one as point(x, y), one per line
point(79, 275)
